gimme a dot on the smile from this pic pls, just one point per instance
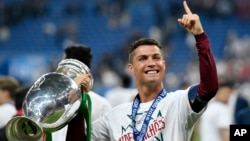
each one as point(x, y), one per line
point(152, 72)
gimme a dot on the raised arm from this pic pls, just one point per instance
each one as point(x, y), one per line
point(208, 86)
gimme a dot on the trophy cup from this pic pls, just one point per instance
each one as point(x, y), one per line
point(51, 102)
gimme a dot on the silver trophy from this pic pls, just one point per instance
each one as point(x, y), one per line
point(51, 102)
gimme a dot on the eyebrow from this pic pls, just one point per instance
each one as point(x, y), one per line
point(145, 55)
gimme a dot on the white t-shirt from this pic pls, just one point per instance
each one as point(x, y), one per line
point(7, 111)
point(172, 120)
point(100, 106)
point(217, 115)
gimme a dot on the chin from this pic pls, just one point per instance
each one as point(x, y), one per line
point(152, 82)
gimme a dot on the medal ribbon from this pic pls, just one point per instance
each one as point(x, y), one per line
point(139, 135)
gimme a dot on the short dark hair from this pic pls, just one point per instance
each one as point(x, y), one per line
point(227, 83)
point(79, 52)
point(10, 84)
point(142, 41)
point(126, 80)
point(20, 96)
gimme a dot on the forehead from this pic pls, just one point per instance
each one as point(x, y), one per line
point(147, 49)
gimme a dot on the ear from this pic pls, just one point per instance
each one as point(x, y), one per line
point(165, 63)
point(130, 68)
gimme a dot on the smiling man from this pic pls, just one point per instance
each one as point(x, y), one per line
point(156, 114)
point(148, 67)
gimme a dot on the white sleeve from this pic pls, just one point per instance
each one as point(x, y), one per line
point(7, 112)
point(223, 121)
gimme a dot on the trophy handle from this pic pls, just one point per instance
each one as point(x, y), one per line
point(23, 128)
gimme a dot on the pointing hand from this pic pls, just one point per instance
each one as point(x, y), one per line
point(191, 22)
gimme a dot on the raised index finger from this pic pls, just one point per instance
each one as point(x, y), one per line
point(188, 11)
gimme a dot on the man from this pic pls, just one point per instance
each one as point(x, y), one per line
point(8, 86)
point(21, 92)
point(99, 104)
point(156, 114)
point(216, 120)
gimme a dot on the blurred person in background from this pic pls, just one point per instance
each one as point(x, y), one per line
point(19, 99)
point(215, 122)
point(8, 87)
point(240, 104)
point(99, 104)
point(121, 93)
point(243, 116)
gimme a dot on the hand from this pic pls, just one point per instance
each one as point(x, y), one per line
point(191, 22)
point(84, 81)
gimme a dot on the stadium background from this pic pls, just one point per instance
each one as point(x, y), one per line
point(33, 34)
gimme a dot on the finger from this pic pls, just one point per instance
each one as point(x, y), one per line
point(180, 22)
point(84, 85)
point(188, 11)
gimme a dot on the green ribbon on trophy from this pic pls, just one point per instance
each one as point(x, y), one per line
point(86, 109)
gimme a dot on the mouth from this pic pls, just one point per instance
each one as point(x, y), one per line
point(152, 72)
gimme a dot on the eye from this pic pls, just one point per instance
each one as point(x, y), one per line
point(157, 57)
point(142, 58)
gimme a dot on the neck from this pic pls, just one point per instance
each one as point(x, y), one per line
point(149, 93)
point(7, 101)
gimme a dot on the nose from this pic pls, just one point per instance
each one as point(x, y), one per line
point(151, 62)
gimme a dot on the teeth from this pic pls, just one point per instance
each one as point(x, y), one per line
point(151, 72)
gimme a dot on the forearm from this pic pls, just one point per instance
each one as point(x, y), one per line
point(208, 85)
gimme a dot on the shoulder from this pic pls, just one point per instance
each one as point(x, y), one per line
point(177, 97)
point(7, 107)
point(178, 93)
point(94, 94)
point(185, 92)
point(123, 107)
point(117, 112)
point(98, 98)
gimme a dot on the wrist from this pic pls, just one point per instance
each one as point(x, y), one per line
point(200, 36)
